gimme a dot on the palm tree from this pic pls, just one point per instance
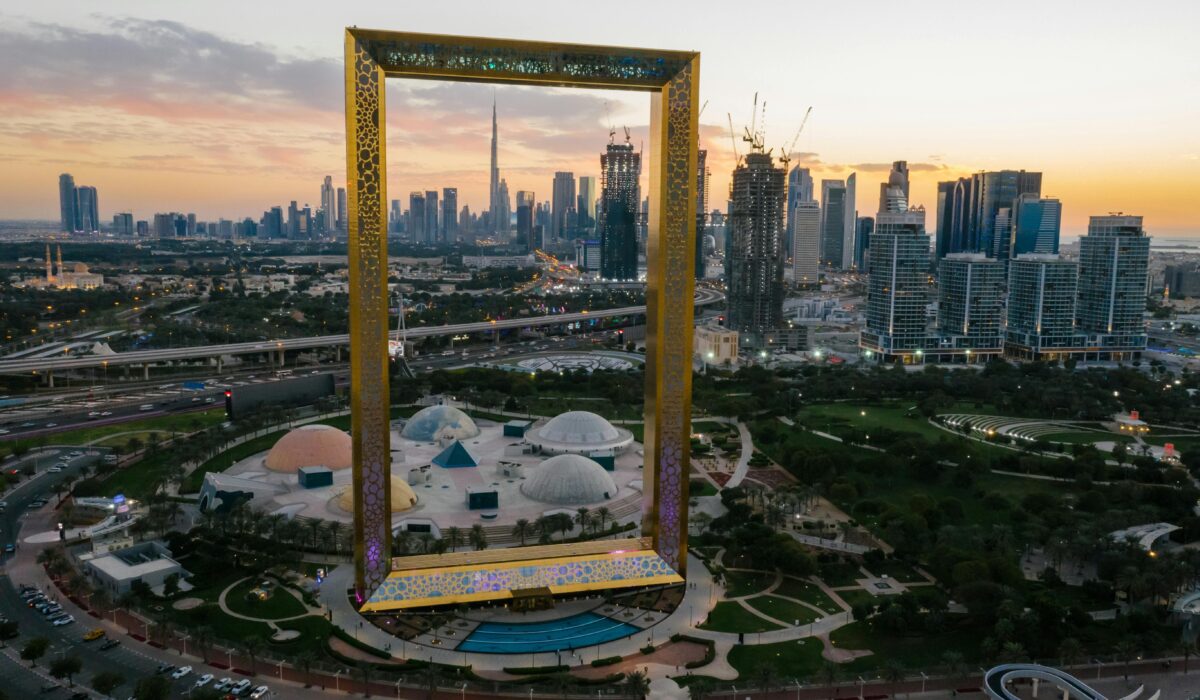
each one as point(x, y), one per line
point(314, 525)
point(1126, 650)
point(699, 689)
point(305, 661)
point(363, 671)
point(202, 637)
point(581, 518)
point(766, 677)
point(401, 542)
point(604, 514)
point(637, 685)
point(454, 538)
point(252, 647)
point(521, 530)
point(1070, 651)
point(426, 541)
point(478, 537)
point(953, 661)
point(893, 673)
point(335, 531)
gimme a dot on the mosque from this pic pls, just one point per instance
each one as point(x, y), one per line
point(79, 277)
point(448, 470)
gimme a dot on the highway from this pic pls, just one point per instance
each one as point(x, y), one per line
point(140, 357)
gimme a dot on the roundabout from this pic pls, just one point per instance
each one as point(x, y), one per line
point(573, 362)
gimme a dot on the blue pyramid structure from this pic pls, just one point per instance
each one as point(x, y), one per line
point(454, 457)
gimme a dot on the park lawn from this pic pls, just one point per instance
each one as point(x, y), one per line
point(280, 605)
point(858, 596)
point(784, 610)
point(808, 592)
point(219, 463)
point(794, 659)
point(916, 652)
point(730, 616)
point(898, 570)
point(121, 440)
point(1086, 437)
point(228, 629)
point(840, 573)
point(314, 630)
point(138, 480)
point(835, 418)
point(740, 583)
point(701, 487)
point(175, 422)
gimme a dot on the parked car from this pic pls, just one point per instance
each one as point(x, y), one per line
point(223, 684)
point(204, 680)
point(93, 634)
point(110, 644)
point(181, 672)
point(241, 687)
point(261, 691)
point(64, 621)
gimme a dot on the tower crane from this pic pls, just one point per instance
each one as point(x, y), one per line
point(787, 152)
point(733, 139)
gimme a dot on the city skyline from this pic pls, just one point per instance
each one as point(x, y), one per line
point(237, 121)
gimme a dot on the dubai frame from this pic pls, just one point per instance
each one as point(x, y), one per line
point(673, 79)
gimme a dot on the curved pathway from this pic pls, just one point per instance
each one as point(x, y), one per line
point(270, 623)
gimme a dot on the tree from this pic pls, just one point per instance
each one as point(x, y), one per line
point(304, 661)
point(454, 538)
point(252, 647)
point(699, 689)
point(35, 649)
point(66, 667)
point(478, 537)
point(953, 661)
point(153, 688)
point(521, 530)
point(637, 685)
point(105, 682)
point(363, 671)
point(1126, 650)
point(1070, 651)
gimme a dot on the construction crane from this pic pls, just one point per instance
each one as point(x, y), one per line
point(627, 136)
point(754, 133)
point(702, 108)
point(612, 130)
point(787, 152)
point(733, 139)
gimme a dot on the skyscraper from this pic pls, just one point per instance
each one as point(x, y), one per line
point(586, 201)
point(838, 216)
point(87, 209)
point(755, 266)
point(800, 189)
point(1042, 292)
point(806, 241)
point(1113, 259)
point(970, 301)
point(702, 177)
point(976, 202)
point(450, 214)
point(526, 202)
point(416, 217)
point(863, 228)
point(620, 196)
point(1036, 224)
point(502, 215)
point(562, 203)
point(494, 186)
point(123, 224)
point(945, 214)
point(343, 216)
point(66, 202)
point(328, 204)
point(432, 209)
point(893, 193)
point(897, 288)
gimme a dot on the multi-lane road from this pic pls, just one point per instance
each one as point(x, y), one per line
point(704, 297)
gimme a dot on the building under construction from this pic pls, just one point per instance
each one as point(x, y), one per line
point(755, 263)
point(620, 196)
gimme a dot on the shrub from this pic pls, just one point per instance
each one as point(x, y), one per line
point(534, 670)
point(607, 661)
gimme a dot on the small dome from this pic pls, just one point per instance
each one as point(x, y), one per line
point(311, 446)
point(403, 497)
point(435, 422)
point(570, 479)
point(579, 428)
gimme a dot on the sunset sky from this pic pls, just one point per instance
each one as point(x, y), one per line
point(227, 108)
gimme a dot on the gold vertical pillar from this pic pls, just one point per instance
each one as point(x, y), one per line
point(670, 282)
point(366, 196)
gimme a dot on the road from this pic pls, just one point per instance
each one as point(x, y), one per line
point(140, 357)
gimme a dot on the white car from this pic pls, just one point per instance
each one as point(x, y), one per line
point(55, 469)
point(261, 691)
point(241, 686)
point(64, 621)
point(181, 672)
point(223, 684)
point(204, 680)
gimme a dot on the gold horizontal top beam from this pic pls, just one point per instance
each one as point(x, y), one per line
point(475, 59)
point(509, 554)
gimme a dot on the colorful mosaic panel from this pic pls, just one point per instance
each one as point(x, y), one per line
point(470, 583)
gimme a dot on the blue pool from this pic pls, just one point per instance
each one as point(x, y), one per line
point(585, 629)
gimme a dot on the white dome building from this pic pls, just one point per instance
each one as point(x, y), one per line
point(434, 423)
point(311, 446)
point(580, 433)
point(570, 479)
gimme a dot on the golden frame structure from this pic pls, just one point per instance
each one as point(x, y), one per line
point(673, 78)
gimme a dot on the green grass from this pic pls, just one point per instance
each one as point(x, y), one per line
point(835, 418)
point(729, 616)
point(839, 574)
point(138, 479)
point(914, 652)
point(192, 482)
point(898, 570)
point(783, 609)
point(808, 592)
point(858, 596)
point(701, 487)
point(178, 422)
point(801, 658)
point(740, 583)
point(280, 605)
point(1086, 438)
point(121, 441)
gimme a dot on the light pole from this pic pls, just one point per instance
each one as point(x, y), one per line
point(463, 694)
point(336, 682)
point(279, 668)
point(923, 679)
point(229, 658)
point(797, 682)
point(861, 683)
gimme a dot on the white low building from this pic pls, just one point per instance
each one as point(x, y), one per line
point(116, 572)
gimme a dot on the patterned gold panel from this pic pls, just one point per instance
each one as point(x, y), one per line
point(373, 55)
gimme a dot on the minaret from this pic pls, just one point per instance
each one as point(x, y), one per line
point(61, 269)
point(49, 266)
point(495, 183)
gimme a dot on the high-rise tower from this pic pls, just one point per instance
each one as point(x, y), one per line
point(562, 204)
point(755, 265)
point(897, 288)
point(494, 189)
point(1113, 258)
point(328, 205)
point(66, 202)
point(620, 196)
